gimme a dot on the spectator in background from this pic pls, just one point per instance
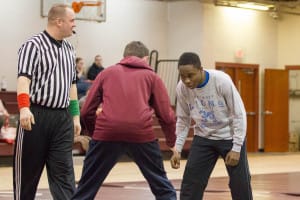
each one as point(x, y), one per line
point(82, 83)
point(3, 113)
point(96, 68)
point(3, 110)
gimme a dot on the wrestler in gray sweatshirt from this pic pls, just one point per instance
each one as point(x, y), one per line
point(216, 108)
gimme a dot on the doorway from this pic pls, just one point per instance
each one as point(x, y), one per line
point(245, 78)
point(276, 102)
point(294, 107)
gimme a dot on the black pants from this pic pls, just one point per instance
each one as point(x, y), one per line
point(202, 159)
point(102, 156)
point(49, 143)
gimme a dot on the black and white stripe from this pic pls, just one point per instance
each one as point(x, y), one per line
point(18, 160)
point(51, 67)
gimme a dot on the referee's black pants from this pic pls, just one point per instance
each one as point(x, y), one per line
point(48, 143)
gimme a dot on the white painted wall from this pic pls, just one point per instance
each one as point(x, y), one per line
point(126, 21)
point(217, 32)
point(18, 19)
point(288, 40)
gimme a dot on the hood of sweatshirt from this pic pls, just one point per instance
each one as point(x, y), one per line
point(135, 62)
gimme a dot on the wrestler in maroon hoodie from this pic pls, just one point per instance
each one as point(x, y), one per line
point(129, 94)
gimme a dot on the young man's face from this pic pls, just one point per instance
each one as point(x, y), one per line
point(190, 75)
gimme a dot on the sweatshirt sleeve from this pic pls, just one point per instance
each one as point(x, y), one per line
point(163, 111)
point(183, 118)
point(93, 100)
point(237, 111)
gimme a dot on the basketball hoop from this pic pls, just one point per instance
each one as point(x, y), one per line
point(78, 5)
point(89, 10)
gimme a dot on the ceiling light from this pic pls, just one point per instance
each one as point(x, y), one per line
point(246, 4)
point(255, 6)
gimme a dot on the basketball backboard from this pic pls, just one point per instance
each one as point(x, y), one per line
point(84, 10)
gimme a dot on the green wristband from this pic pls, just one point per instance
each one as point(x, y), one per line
point(74, 108)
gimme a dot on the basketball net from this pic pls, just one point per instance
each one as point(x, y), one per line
point(89, 10)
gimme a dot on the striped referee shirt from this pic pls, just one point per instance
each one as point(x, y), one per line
point(50, 65)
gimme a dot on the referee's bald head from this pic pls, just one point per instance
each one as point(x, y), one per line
point(57, 11)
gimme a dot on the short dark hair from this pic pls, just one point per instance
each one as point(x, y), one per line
point(78, 59)
point(189, 58)
point(136, 48)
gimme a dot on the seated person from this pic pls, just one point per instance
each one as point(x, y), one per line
point(3, 113)
point(96, 68)
point(3, 110)
point(7, 133)
point(83, 83)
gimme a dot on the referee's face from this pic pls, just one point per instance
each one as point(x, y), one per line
point(68, 23)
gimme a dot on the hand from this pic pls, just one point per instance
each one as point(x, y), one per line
point(175, 159)
point(26, 118)
point(98, 111)
point(5, 113)
point(232, 158)
point(3, 110)
point(77, 126)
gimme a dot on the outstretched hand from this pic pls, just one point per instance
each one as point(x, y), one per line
point(175, 159)
point(77, 126)
point(26, 118)
point(232, 158)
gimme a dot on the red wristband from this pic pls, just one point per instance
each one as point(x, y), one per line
point(23, 100)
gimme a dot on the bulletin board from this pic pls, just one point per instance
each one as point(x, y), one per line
point(84, 10)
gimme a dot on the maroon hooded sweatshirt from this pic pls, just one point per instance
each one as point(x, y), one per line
point(129, 93)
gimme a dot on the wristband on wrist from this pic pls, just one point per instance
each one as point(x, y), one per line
point(23, 100)
point(74, 108)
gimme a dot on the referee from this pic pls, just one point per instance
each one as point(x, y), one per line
point(49, 112)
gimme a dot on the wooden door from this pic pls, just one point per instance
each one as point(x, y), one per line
point(276, 106)
point(249, 93)
point(245, 78)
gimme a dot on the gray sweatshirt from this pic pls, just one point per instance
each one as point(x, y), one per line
point(216, 108)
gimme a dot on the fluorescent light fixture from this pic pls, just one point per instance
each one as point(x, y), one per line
point(245, 4)
point(255, 6)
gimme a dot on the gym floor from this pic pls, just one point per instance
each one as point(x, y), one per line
point(275, 176)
